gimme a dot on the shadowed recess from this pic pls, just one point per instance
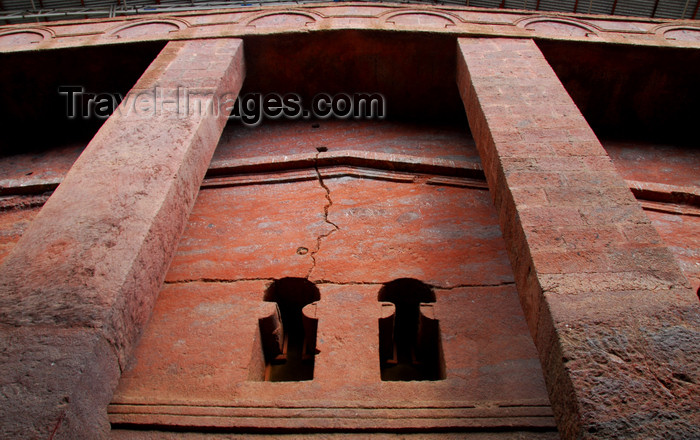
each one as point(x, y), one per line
point(414, 72)
point(33, 113)
point(294, 361)
point(409, 341)
point(631, 93)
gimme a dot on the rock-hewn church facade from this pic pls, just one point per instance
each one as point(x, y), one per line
point(427, 220)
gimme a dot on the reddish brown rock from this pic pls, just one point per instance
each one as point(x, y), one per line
point(616, 325)
point(681, 233)
point(92, 261)
point(650, 162)
point(281, 223)
point(287, 138)
point(13, 223)
point(31, 171)
point(442, 235)
point(160, 435)
point(202, 344)
point(53, 382)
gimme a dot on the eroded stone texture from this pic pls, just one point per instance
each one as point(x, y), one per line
point(38, 168)
point(94, 258)
point(95, 235)
point(428, 232)
point(198, 346)
point(681, 233)
point(387, 145)
point(82, 347)
point(281, 222)
point(616, 325)
point(448, 19)
point(194, 364)
point(658, 163)
point(13, 223)
point(53, 382)
point(287, 138)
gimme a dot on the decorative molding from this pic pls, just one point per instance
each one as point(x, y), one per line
point(454, 20)
point(526, 414)
point(679, 33)
point(146, 28)
point(25, 36)
point(284, 19)
point(557, 26)
point(422, 19)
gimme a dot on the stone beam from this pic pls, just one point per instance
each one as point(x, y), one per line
point(80, 284)
point(239, 22)
point(615, 323)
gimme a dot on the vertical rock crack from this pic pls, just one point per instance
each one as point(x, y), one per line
point(326, 207)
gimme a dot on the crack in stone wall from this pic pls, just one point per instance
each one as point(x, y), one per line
point(432, 286)
point(325, 218)
point(330, 282)
point(460, 286)
point(216, 280)
point(312, 220)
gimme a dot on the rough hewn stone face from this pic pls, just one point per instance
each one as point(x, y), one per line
point(86, 272)
point(54, 382)
point(682, 235)
point(616, 326)
point(13, 224)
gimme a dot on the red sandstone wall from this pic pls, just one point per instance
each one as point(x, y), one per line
point(25, 184)
point(13, 222)
point(349, 233)
point(676, 235)
point(682, 236)
point(272, 138)
point(642, 162)
point(667, 168)
point(658, 163)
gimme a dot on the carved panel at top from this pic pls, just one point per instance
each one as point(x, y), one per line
point(282, 20)
point(686, 34)
point(559, 28)
point(147, 29)
point(420, 19)
point(354, 11)
point(19, 38)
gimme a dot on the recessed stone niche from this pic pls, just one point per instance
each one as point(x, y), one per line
point(288, 332)
point(409, 334)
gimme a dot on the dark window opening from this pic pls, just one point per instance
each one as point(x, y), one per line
point(289, 337)
point(409, 339)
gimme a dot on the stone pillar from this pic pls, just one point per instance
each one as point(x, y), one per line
point(615, 323)
point(79, 286)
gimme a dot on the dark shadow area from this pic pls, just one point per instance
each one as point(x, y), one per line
point(292, 358)
point(32, 112)
point(414, 72)
point(409, 341)
point(630, 93)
